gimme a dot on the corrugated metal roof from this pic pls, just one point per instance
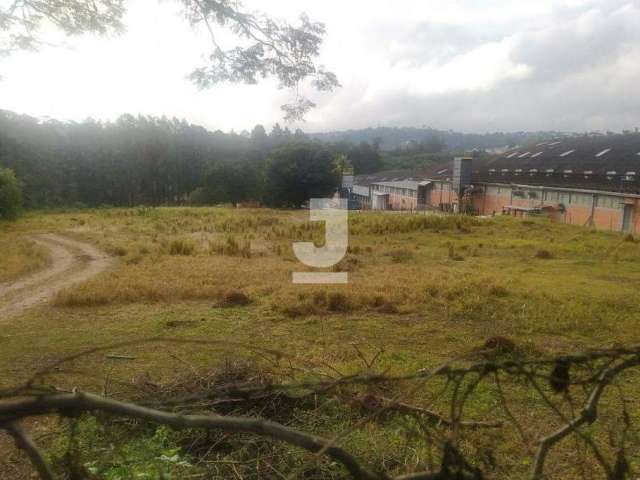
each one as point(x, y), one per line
point(360, 190)
point(546, 167)
point(413, 185)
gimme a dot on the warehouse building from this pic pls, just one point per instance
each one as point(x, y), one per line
point(591, 180)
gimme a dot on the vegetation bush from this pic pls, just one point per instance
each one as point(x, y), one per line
point(338, 302)
point(401, 255)
point(231, 247)
point(544, 255)
point(10, 195)
point(297, 172)
point(182, 247)
point(117, 250)
point(384, 224)
point(233, 299)
point(19, 256)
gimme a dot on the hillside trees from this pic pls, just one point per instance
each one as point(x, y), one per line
point(157, 161)
point(226, 182)
point(10, 195)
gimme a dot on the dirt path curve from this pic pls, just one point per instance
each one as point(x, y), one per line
point(71, 262)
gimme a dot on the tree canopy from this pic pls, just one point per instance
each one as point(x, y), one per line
point(297, 172)
point(265, 47)
point(156, 161)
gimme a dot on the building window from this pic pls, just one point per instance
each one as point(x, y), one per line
point(564, 198)
point(608, 202)
point(551, 196)
point(581, 199)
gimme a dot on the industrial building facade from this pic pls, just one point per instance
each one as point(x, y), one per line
point(589, 181)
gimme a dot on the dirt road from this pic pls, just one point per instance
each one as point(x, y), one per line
point(71, 262)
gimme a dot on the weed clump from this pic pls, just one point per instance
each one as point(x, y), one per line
point(232, 248)
point(544, 255)
point(500, 344)
point(338, 302)
point(347, 264)
point(401, 255)
point(454, 256)
point(117, 251)
point(181, 247)
point(233, 298)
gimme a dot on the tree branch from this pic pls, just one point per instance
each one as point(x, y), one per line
point(24, 443)
point(80, 402)
point(588, 415)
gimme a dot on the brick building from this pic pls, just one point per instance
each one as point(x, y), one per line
point(589, 180)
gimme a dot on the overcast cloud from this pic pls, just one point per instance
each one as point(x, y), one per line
point(464, 65)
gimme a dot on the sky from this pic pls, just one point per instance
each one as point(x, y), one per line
point(465, 65)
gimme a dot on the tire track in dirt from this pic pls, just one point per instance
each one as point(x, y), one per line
point(72, 262)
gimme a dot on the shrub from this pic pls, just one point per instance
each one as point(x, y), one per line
point(401, 256)
point(234, 299)
point(544, 255)
point(231, 247)
point(454, 256)
point(338, 302)
point(498, 291)
point(501, 344)
point(181, 247)
point(198, 197)
point(10, 195)
point(347, 264)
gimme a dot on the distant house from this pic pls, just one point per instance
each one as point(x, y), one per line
point(584, 180)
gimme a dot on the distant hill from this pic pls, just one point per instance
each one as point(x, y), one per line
point(404, 138)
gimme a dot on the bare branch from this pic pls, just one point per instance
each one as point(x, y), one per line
point(24, 443)
point(588, 415)
point(80, 402)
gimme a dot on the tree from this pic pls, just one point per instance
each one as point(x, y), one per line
point(10, 195)
point(227, 182)
point(270, 48)
point(259, 137)
point(297, 172)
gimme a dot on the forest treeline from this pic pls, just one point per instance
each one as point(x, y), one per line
point(430, 140)
point(160, 161)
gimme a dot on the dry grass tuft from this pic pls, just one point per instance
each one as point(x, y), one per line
point(231, 247)
point(401, 255)
point(338, 302)
point(182, 247)
point(19, 257)
point(176, 278)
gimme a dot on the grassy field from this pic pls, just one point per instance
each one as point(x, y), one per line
point(422, 290)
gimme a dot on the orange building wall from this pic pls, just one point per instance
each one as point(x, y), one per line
point(577, 215)
point(607, 219)
point(438, 197)
point(488, 204)
point(400, 202)
point(603, 218)
point(636, 217)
